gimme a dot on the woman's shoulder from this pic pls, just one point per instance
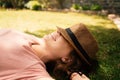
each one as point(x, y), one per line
point(4, 31)
point(19, 34)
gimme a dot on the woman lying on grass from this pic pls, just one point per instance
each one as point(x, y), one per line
point(67, 53)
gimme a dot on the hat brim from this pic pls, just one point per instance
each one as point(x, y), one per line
point(66, 36)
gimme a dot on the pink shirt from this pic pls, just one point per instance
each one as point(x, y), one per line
point(17, 59)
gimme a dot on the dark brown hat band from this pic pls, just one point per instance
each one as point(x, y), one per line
point(77, 44)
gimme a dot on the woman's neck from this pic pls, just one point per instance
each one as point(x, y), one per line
point(41, 51)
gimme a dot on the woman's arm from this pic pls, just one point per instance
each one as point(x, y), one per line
point(76, 76)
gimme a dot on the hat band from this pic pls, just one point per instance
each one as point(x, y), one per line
point(77, 44)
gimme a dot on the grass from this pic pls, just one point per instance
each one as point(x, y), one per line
point(40, 23)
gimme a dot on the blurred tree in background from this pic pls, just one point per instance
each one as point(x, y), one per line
point(94, 5)
point(52, 3)
point(33, 5)
point(13, 3)
point(61, 2)
point(19, 4)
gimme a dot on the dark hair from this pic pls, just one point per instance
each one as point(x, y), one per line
point(62, 71)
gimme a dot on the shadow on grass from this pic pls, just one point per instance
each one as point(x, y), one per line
point(40, 33)
point(108, 55)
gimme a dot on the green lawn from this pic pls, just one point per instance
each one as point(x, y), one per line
point(40, 23)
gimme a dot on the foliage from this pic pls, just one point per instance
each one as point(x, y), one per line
point(76, 6)
point(33, 5)
point(95, 7)
point(6, 4)
point(86, 7)
point(13, 3)
point(44, 3)
point(52, 3)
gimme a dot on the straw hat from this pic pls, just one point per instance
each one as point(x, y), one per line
point(81, 40)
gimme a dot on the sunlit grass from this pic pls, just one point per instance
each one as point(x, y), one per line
point(40, 23)
point(35, 20)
